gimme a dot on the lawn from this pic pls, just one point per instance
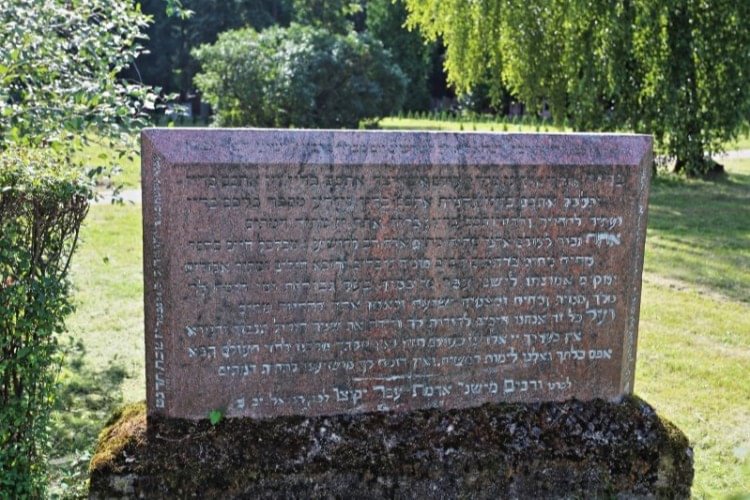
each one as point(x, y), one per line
point(694, 346)
point(105, 362)
point(693, 354)
point(120, 171)
point(742, 142)
point(467, 125)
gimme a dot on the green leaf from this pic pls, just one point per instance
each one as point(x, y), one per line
point(215, 416)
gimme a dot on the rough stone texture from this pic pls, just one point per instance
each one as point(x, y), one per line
point(324, 272)
point(543, 450)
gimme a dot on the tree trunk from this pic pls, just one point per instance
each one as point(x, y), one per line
point(687, 140)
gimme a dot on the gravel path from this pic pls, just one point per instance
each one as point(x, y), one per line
point(736, 154)
point(129, 196)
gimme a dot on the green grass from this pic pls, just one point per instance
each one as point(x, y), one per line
point(742, 142)
point(468, 125)
point(110, 260)
point(699, 231)
point(693, 359)
point(105, 363)
point(124, 171)
point(694, 346)
point(694, 341)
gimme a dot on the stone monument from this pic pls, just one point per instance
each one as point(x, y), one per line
point(341, 288)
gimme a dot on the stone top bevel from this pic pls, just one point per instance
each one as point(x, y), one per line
point(350, 147)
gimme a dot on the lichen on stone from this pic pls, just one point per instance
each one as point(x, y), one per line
point(547, 450)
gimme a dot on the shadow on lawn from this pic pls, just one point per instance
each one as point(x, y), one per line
point(701, 232)
point(86, 399)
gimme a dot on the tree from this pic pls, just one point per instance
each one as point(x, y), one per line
point(336, 16)
point(58, 72)
point(173, 34)
point(298, 77)
point(385, 21)
point(675, 68)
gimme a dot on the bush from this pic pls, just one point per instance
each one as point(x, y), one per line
point(41, 209)
point(167, 63)
point(58, 72)
point(298, 77)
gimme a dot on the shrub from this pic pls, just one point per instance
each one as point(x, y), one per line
point(42, 206)
point(58, 72)
point(59, 62)
point(298, 76)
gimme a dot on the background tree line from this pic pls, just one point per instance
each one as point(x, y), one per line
point(171, 63)
point(676, 69)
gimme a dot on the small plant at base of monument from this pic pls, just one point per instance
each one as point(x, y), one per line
point(42, 206)
point(215, 416)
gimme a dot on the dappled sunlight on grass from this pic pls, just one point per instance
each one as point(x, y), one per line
point(699, 231)
point(108, 277)
point(105, 365)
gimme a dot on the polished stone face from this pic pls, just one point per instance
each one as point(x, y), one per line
point(322, 272)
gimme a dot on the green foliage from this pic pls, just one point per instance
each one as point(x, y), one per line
point(173, 34)
point(59, 66)
point(298, 77)
point(332, 15)
point(673, 68)
point(59, 62)
point(175, 8)
point(696, 88)
point(385, 21)
point(42, 206)
point(472, 37)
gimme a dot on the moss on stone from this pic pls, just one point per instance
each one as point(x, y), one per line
point(125, 429)
point(544, 450)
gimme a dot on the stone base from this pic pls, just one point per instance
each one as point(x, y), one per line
point(547, 450)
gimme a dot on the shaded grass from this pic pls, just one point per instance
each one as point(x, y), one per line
point(104, 364)
point(699, 231)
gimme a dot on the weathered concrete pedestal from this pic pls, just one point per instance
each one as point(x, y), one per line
point(543, 450)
